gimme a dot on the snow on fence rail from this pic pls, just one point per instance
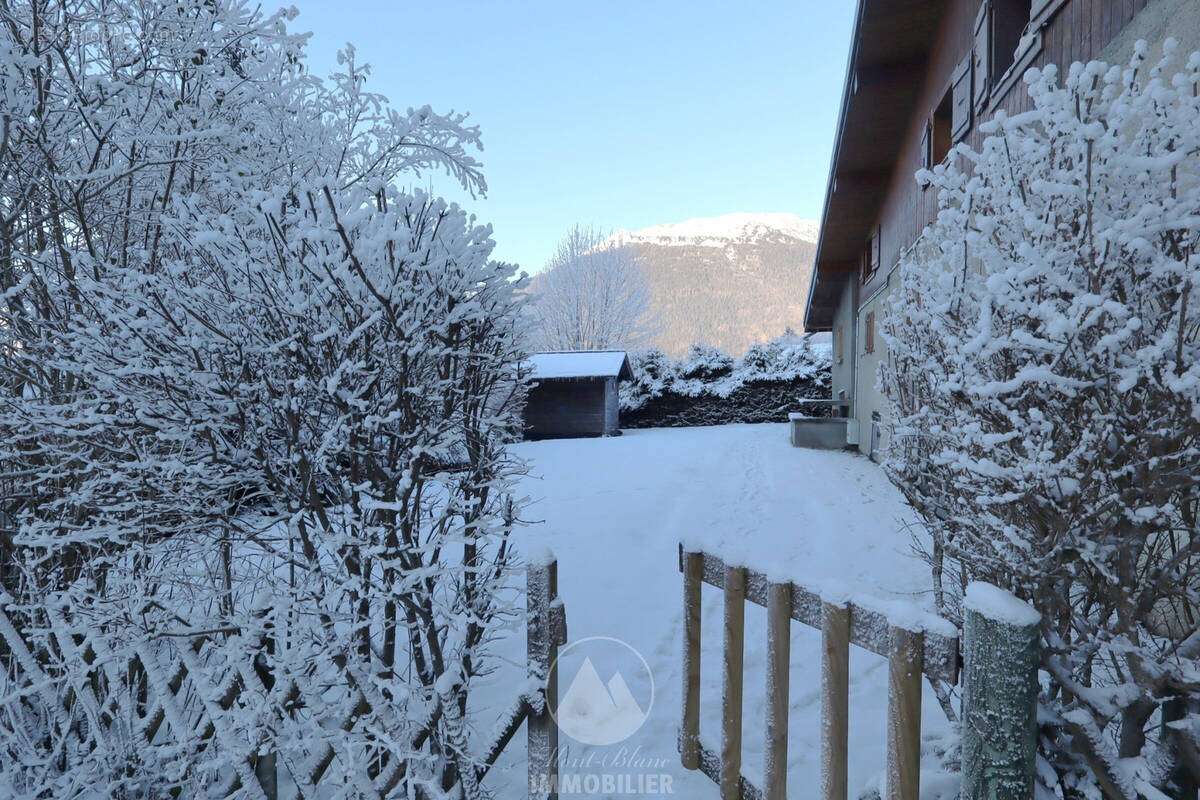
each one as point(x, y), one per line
point(914, 644)
point(181, 698)
point(998, 660)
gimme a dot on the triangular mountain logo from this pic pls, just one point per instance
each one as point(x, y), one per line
point(596, 713)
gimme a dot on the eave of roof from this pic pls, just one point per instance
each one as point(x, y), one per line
point(577, 364)
point(889, 55)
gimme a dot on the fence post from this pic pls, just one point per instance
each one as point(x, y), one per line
point(779, 648)
point(1001, 651)
point(906, 659)
point(542, 652)
point(731, 694)
point(835, 700)
point(689, 741)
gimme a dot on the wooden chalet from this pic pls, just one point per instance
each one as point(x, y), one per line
point(922, 75)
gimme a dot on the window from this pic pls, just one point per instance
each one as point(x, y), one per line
point(869, 332)
point(876, 237)
point(981, 58)
point(936, 141)
point(999, 28)
point(960, 91)
point(940, 127)
point(1009, 18)
point(870, 256)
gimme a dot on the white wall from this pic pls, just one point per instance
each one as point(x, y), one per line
point(1155, 23)
point(843, 369)
point(869, 401)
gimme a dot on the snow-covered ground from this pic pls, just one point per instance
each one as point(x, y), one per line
point(614, 510)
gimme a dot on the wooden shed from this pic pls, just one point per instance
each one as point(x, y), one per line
point(575, 394)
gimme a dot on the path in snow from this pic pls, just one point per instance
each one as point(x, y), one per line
point(614, 510)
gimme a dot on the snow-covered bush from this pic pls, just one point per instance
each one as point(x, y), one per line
point(785, 358)
point(255, 404)
point(1044, 385)
point(706, 363)
point(709, 387)
point(654, 372)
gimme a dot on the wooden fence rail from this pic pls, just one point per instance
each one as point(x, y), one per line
point(919, 646)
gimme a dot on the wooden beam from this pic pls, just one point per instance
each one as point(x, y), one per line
point(1001, 653)
point(779, 649)
point(710, 765)
point(869, 628)
point(731, 694)
point(835, 700)
point(542, 657)
point(689, 735)
point(515, 718)
point(904, 716)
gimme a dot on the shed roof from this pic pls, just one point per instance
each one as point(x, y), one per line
point(581, 364)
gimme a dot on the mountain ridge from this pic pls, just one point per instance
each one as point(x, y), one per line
point(740, 227)
point(726, 281)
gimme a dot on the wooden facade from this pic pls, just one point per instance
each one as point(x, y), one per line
point(911, 59)
point(575, 395)
point(923, 75)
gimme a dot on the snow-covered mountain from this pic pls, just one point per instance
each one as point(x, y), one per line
point(730, 229)
point(726, 281)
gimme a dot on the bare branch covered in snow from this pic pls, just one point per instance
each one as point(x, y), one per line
point(254, 401)
point(1044, 387)
point(592, 296)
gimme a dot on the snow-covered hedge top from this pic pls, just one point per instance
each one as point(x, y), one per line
point(707, 370)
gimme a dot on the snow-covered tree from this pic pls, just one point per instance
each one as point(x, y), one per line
point(705, 362)
point(254, 406)
point(1044, 385)
point(654, 372)
point(591, 296)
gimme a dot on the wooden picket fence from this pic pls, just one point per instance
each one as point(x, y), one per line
point(910, 654)
point(186, 695)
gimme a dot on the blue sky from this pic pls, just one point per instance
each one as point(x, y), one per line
point(614, 114)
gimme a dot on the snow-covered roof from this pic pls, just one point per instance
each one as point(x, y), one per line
point(581, 364)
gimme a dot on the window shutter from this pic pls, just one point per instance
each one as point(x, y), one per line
point(927, 146)
point(869, 332)
point(841, 342)
point(983, 54)
point(875, 250)
point(961, 93)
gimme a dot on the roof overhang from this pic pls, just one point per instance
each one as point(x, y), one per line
point(580, 364)
point(889, 55)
